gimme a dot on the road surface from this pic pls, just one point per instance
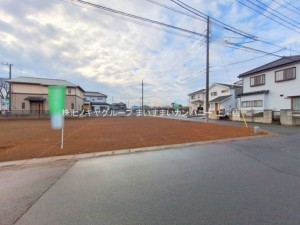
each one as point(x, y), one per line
point(255, 181)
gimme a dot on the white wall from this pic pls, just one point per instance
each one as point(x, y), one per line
point(218, 88)
point(226, 104)
point(273, 100)
point(95, 99)
point(253, 98)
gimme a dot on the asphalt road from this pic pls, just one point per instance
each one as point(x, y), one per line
point(255, 181)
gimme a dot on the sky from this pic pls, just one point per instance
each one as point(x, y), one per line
point(109, 53)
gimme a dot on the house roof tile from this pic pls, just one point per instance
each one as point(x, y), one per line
point(220, 99)
point(43, 81)
point(254, 93)
point(283, 61)
point(94, 94)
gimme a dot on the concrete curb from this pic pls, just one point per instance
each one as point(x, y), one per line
point(78, 157)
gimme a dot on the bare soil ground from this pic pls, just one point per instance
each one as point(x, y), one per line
point(26, 139)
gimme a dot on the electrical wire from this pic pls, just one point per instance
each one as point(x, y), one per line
point(225, 26)
point(267, 16)
point(234, 30)
point(136, 17)
point(248, 60)
point(287, 7)
point(252, 49)
point(275, 15)
point(175, 10)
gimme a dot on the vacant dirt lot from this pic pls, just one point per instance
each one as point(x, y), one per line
point(25, 139)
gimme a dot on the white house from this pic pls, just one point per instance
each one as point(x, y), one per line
point(274, 86)
point(95, 101)
point(222, 99)
point(197, 100)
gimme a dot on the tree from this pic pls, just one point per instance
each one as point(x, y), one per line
point(4, 88)
point(176, 106)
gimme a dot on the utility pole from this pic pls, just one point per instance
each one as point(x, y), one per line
point(207, 73)
point(142, 97)
point(9, 91)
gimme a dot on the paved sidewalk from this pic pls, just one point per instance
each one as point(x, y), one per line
point(274, 128)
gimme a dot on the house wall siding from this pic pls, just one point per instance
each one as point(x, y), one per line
point(277, 98)
point(29, 88)
point(21, 91)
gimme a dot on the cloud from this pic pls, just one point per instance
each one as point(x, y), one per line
point(111, 54)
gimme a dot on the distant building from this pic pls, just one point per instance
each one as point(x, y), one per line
point(197, 100)
point(30, 94)
point(95, 101)
point(118, 106)
point(222, 99)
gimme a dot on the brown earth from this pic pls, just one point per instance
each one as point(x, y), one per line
point(26, 139)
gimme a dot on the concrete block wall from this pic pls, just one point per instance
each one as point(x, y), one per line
point(286, 117)
point(266, 118)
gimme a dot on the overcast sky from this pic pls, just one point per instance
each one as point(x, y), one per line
point(105, 52)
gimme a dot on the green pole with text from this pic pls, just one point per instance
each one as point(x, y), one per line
point(57, 104)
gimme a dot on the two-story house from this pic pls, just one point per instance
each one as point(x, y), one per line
point(222, 99)
point(273, 86)
point(196, 100)
point(30, 95)
point(95, 101)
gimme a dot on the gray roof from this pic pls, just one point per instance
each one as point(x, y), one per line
point(254, 93)
point(197, 92)
point(228, 85)
point(220, 99)
point(43, 81)
point(94, 94)
point(283, 61)
point(204, 90)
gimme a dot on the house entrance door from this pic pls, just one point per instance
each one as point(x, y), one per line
point(36, 107)
point(217, 108)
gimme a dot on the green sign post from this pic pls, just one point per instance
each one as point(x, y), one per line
point(57, 104)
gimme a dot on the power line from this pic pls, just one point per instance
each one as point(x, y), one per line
point(267, 16)
point(137, 17)
point(287, 7)
point(132, 20)
point(227, 27)
point(203, 15)
point(252, 49)
point(248, 60)
point(295, 22)
point(175, 10)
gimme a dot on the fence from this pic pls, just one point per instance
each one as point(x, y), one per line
point(24, 114)
point(290, 117)
point(265, 116)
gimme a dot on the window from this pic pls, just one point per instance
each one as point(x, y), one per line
point(213, 94)
point(255, 103)
point(286, 74)
point(69, 90)
point(23, 105)
point(193, 97)
point(224, 91)
point(212, 105)
point(257, 80)
point(296, 103)
point(72, 105)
